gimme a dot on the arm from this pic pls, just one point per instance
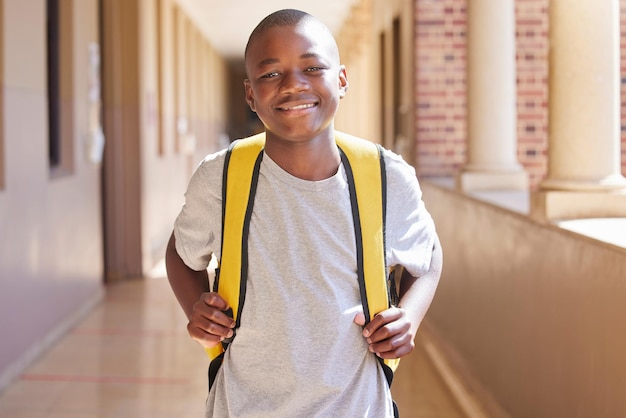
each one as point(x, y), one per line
point(391, 333)
point(208, 324)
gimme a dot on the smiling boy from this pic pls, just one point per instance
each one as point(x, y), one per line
point(301, 349)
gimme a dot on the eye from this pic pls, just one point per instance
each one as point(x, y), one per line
point(270, 75)
point(314, 69)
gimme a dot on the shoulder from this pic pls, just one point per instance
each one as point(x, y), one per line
point(403, 188)
point(211, 163)
point(207, 176)
point(213, 160)
point(392, 160)
point(396, 161)
point(397, 169)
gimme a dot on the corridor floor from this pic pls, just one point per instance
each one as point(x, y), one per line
point(131, 357)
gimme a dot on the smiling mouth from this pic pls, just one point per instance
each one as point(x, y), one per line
point(298, 107)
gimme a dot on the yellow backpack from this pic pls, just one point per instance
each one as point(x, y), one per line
point(365, 169)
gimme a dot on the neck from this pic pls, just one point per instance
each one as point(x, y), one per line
point(315, 159)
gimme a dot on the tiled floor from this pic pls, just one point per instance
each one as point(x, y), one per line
point(131, 357)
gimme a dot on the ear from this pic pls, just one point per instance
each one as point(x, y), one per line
point(249, 95)
point(343, 81)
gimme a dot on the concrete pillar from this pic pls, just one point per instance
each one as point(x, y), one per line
point(584, 177)
point(492, 114)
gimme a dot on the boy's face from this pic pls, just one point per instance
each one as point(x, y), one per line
point(295, 81)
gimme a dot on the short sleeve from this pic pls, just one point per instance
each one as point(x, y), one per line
point(410, 230)
point(197, 228)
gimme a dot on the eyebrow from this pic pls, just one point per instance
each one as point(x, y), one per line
point(270, 61)
point(309, 55)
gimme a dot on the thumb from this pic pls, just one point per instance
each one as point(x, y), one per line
point(359, 319)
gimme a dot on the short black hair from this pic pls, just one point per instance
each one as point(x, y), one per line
point(281, 18)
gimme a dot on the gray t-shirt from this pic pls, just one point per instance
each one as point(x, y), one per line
point(298, 352)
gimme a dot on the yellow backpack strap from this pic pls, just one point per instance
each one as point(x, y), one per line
point(241, 168)
point(362, 162)
point(365, 169)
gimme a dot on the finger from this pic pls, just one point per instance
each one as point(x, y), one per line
point(359, 319)
point(394, 347)
point(215, 300)
point(381, 320)
point(398, 352)
point(207, 332)
point(211, 306)
point(389, 330)
point(205, 339)
point(217, 317)
point(208, 324)
point(210, 327)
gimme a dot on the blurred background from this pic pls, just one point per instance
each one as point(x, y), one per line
point(509, 110)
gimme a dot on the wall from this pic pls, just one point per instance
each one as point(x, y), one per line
point(164, 169)
point(378, 105)
point(532, 87)
point(535, 312)
point(50, 223)
point(355, 41)
point(175, 113)
point(195, 91)
point(623, 70)
point(440, 86)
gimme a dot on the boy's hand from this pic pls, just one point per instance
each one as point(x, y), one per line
point(208, 324)
point(388, 333)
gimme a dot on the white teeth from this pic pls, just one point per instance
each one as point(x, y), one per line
point(299, 107)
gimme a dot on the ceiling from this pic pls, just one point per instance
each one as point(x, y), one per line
point(228, 23)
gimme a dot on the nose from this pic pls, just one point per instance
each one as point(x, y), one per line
point(294, 81)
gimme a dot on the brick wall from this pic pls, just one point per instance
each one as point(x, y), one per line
point(441, 86)
point(532, 89)
point(440, 113)
point(623, 71)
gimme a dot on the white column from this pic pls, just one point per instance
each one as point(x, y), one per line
point(492, 95)
point(584, 178)
point(584, 138)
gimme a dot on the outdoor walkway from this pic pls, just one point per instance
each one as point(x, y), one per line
point(131, 357)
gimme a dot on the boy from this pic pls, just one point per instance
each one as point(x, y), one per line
point(301, 349)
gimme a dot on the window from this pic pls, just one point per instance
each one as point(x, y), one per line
point(383, 83)
point(160, 77)
point(54, 128)
point(397, 81)
point(180, 101)
point(1, 96)
point(60, 86)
